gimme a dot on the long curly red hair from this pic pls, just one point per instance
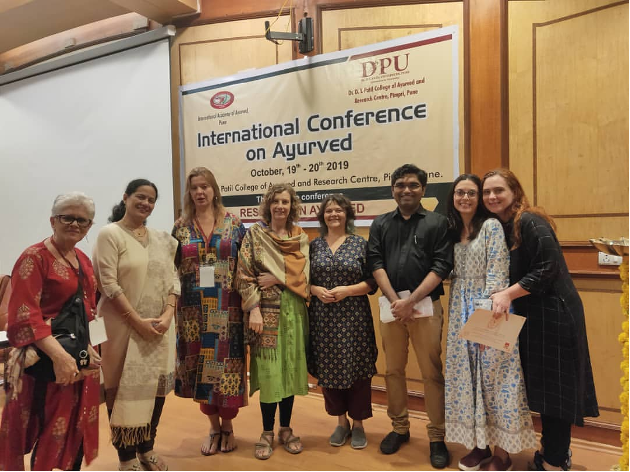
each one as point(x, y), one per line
point(519, 205)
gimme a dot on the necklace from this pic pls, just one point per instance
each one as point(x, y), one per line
point(137, 233)
point(58, 249)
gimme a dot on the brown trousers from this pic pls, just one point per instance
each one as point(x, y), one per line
point(426, 337)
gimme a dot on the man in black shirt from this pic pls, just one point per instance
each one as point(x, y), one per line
point(408, 249)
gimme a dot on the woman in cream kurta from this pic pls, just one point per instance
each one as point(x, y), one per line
point(139, 356)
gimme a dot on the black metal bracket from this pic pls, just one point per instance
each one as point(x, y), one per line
point(304, 35)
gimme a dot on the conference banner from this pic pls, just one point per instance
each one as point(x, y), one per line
point(333, 123)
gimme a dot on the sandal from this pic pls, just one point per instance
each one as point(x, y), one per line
point(287, 440)
point(225, 441)
point(264, 447)
point(215, 442)
point(151, 461)
point(133, 464)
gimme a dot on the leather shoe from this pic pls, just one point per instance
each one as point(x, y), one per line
point(439, 454)
point(392, 442)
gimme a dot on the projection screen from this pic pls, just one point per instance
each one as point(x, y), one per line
point(94, 124)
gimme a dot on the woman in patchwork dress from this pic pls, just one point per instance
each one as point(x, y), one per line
point(210, 352)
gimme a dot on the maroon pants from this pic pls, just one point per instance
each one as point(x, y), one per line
point(224, 412)
point(356, 400)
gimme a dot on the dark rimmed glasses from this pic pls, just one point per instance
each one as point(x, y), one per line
point(411, 186)
point(69, 219)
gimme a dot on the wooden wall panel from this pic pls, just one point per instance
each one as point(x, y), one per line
point(581, 100)
point(221, 49)
point(486, 87)
point(352, 27)
point(568, 82)
point(603, 324)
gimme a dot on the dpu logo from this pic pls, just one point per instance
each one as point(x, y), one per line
point(382, 66)
point(221, 100)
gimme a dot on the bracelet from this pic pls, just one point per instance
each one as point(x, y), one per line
point(171, 304)
point(126, 314)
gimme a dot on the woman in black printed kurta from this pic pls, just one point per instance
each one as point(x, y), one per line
point(553, 342)
point(343, 351)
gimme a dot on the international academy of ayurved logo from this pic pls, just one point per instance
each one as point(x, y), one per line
point(221, 100)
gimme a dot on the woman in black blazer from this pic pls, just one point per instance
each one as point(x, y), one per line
point(553, 343)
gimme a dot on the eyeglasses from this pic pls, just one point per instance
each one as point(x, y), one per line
point(462, 193)
point(411, 186)
point(69, 219)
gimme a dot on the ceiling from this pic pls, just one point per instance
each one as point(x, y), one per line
point(24, 21)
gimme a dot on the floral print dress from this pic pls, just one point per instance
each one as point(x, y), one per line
point(486, 403)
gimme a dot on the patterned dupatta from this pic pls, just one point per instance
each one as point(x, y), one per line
point(288, 261)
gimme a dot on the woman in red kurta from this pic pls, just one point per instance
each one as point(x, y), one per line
point(57, 420)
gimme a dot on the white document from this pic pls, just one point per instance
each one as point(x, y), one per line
point(98, 335)
point(206, 276)
point(483, 328)
point(424, 307)
point(483, 303)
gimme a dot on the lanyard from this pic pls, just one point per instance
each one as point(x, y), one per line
point(76, 271)
point(206, 240)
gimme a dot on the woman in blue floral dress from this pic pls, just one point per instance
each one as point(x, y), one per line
point(342, 354)
point(486, 402)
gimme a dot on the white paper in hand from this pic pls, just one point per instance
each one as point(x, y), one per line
point(424, 307)
point(98, 335)
point(385, 309)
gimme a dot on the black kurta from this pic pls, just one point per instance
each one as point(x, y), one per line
point(553, 343)
point(342, 345)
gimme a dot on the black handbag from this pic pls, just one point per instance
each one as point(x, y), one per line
point(70, 329)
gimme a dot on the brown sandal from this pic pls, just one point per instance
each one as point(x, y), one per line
point(215, 441)
point(264, 447)
point(225, 438)
point(289, 439)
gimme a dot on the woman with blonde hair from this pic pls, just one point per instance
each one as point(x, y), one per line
point(210, 350)
point(273, 268)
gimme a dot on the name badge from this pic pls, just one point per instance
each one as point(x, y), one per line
point(206, 276)
point(98, 334)
point(482, 303)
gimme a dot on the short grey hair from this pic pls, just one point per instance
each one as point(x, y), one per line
point(73, 198)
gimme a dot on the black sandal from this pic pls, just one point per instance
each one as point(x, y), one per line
point(213, 441)
point(225, 436)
